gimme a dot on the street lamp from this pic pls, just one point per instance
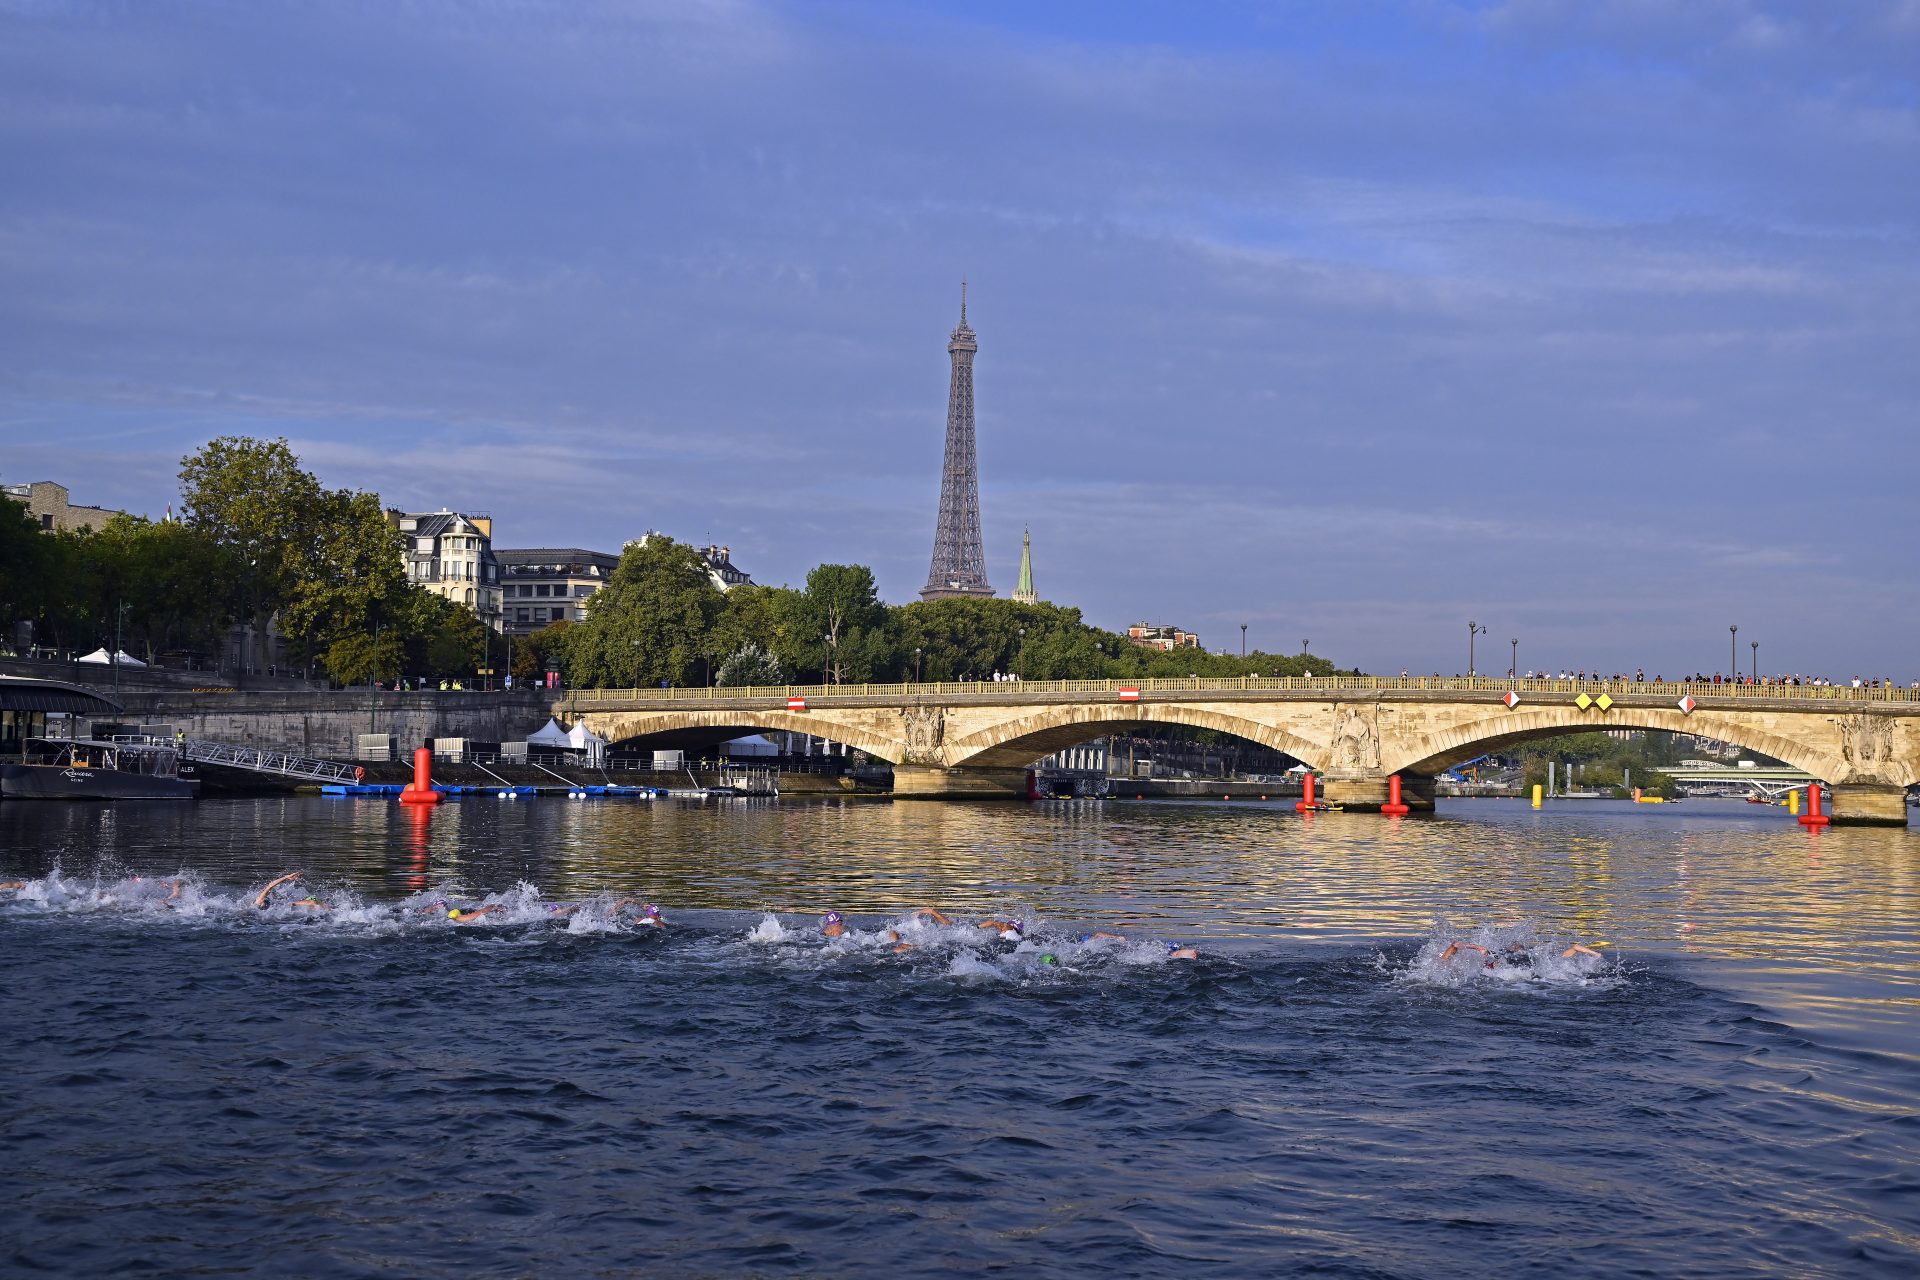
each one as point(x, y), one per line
point(1756, 660)
point(1243, 639)
point(916, 664)
point(1020, 656)
point(830, 675)
point(119, 612)
point(1514, 669)
point(1733, 648)
point(1473, 629)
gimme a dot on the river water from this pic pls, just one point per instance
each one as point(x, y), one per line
point(196, 1086)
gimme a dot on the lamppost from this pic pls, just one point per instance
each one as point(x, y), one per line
point(832, 674)
point(1473, 629)
point(119, 612)
point(1243, 639)
point(1756, 660)
point(1020, 656)
point(916, 664)
point(1514, 669)
point(1733, 648)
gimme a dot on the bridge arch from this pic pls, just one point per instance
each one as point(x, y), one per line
point(1441, 750)
point(621, 726)
point(1017, 743)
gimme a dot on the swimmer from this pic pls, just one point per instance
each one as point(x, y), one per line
point(1011, 930)
point(1101, 935)
point(1454, 949)
point(832, 926)
point(14, 886)
point(1577, 950)
point(470, 914)
point(649, 912)
point(173, 894)
point(1177, 952)
point(260, 899)
point(928, 913)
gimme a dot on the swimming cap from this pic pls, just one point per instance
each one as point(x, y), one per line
point(453, 913)
point(832, 917)
point(1048, 958)
point(1018, 926)
point(1086, 937)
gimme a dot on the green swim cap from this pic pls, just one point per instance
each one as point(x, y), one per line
point(1048, 958)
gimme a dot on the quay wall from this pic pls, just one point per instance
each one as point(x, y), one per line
point(325, 723)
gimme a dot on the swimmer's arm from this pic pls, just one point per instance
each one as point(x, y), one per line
point(1577, 950)
point(260, 899)
point(173, 894)
point(468, 917)
point(930, 914)
point(13, 884)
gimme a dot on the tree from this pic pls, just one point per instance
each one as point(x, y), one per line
point(535, 655)
point(252, 498)
point(443, 640)
point(846, 625)
point(351, 583)
point(651, 623)
point(750, 665)
point(28, 569)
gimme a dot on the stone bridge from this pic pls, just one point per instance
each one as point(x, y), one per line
point(977, 740)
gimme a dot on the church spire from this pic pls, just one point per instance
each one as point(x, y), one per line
point(1024, 592)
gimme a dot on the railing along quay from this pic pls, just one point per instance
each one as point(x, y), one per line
point(1704, 692)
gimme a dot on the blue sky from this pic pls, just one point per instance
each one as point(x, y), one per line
point(1592, 320)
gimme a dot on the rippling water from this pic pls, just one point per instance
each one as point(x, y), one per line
point(194, 1085)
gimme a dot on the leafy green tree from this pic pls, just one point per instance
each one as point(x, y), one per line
point(442, 640)
point(845, 625)
point(543, 651)
point(253, 499)
point(650, 623)
point(351, 584)
point(27, 569)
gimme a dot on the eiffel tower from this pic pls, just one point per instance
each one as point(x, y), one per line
point(959, 562)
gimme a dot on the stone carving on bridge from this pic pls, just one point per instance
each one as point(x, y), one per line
point(926, 729)
point(1356, 741)
point(1866, 743)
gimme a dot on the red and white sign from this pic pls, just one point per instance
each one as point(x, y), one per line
point(1512, 699)
point(1129, 695)
point(1687, 704)
point(796, 704)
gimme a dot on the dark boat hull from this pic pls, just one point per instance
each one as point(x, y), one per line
point(57, 782)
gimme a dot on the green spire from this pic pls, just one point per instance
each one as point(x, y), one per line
point(1024, 592)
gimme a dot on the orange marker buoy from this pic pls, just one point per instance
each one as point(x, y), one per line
point(1305, 804)
point(420, 790)
point(1393, 807)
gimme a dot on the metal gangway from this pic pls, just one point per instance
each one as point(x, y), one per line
point(256, 760)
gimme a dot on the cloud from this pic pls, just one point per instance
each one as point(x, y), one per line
point(1591, 316)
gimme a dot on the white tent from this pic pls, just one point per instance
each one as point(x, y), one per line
point(553, 737)
point(102, 657)
point(756, 744)
point(586, 740)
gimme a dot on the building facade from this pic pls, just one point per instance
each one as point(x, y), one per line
point(1166, 639)
point(452, 555)
point(544, 585)
point(47, 503)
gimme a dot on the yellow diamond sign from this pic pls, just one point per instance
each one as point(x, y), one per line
point(1603, 702)
point(1583, 702)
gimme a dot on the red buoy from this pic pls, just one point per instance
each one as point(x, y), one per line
point(1813, 817)
point(420, 790)
point(1306, 804)
point(1393, 805)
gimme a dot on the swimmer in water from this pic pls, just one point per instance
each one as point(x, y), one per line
point(928, 913)
point(1577, 950)
point(1177, 952)
point(649, 912)
point(14, 886)
point(1010, 930)
point(470, 914)
point(1101, 935)
point(309, 902)
point(832, 926)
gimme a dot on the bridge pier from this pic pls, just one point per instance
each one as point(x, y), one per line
point(1366, 793)
point(1858, 804)
point(928, 782)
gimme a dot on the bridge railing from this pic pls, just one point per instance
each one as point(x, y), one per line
point(1704, 691)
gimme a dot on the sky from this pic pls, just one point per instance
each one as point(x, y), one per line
point(1593, 321)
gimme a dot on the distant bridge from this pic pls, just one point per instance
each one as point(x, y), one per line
point(977, 739)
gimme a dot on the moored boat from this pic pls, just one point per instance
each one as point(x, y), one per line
point(91, 769)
